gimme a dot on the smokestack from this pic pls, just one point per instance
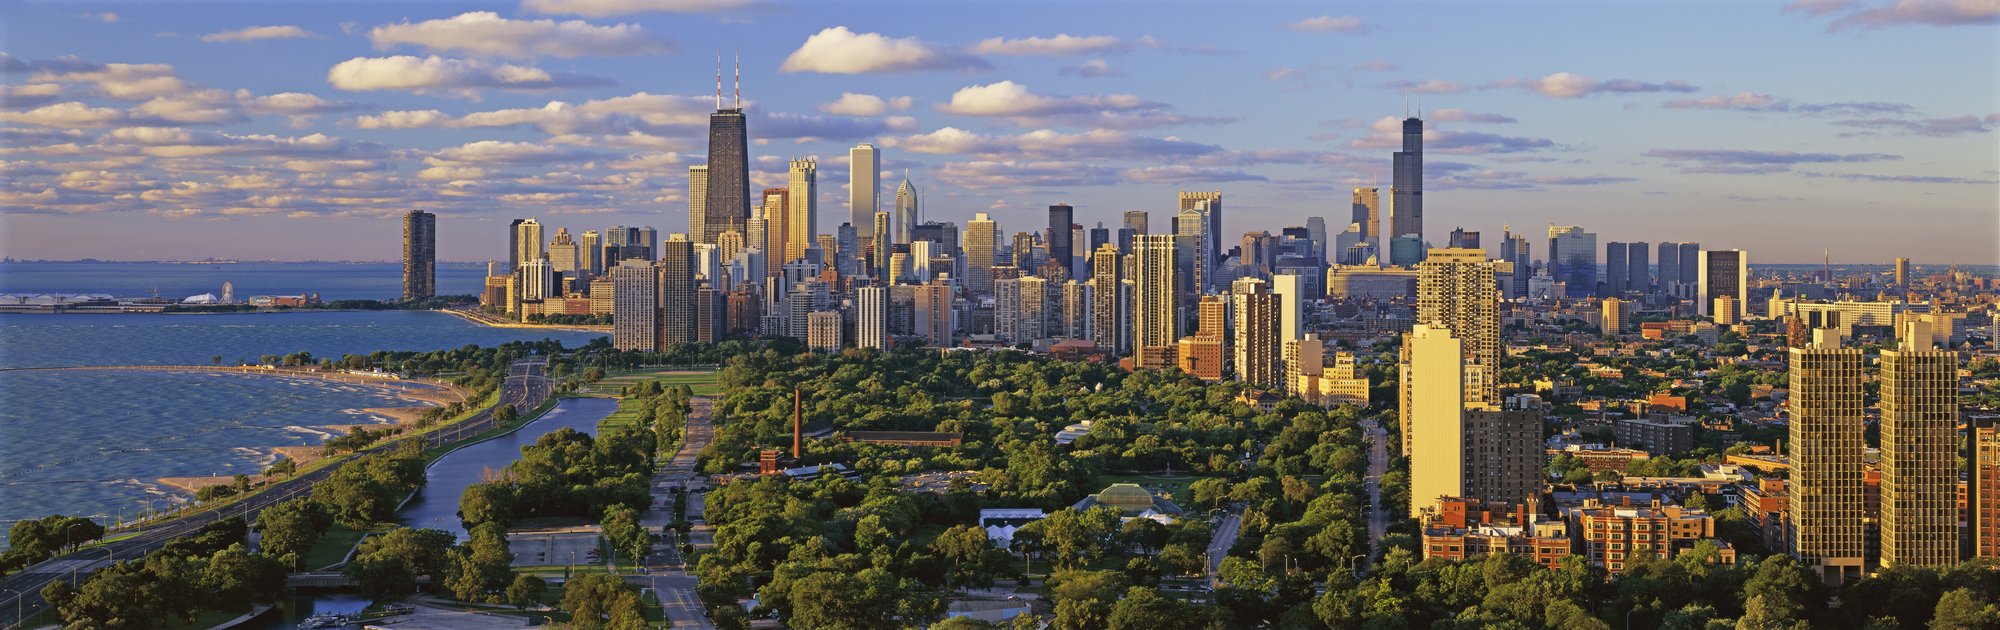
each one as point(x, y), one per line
point(796, 413)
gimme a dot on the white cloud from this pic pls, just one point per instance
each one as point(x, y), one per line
point(1460, 115)
point(121, 81)
point(175, 142)
point(1008, 98)
point(1092, 68)
point(1061, 44)
point(257, 33)
point(1050, 144)
point(1568, 85)
point(73, 115)
point(17, 97)
point(601, 8)
point(501, 152)
point(852, 104)
point(838, 50)
point(486, 33)
point(618, 115)
point(291, 104)
point(437, 74)
point(1344, 25)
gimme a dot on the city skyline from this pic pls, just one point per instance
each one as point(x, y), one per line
point(587, 118)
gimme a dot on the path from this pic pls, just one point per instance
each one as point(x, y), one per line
point(667, 573)
point(525, 388)
point(1378, 465)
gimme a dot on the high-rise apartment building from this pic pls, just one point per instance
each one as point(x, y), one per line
point(802, 220)
point(880, 244)
point(864, 184)
point(1615, 258)
point(677, 286)
point(591, 252)
point(1824, 528)
point(982, 235)
point(1919, 399)
point(527, 242)
point(1196, 254)
point(1107, 316)
point(1259, 351)
point(1723, 273)
point(1433, 414)
point(564, 258)
point(1458, 291)
point(1061, 248)
point(933, 313)
point(1902, 272)
point(538, 280)
point(635, 306)
point(1209, 204)
point(1638, 267)
point(1368, 213)
point(1155, 303)
point(1690, 260)
point(1573, 259)
point(823, 330)
point(1135, 220)
point(1514, 249)
point(728, 199)
point(1613, 312)
point(1670, 267)
point(1291, 291)
point(1982, 455)
point(514, 245)
point(871, 317)
point(698, 200)
point(906, 209)
point(419, 255)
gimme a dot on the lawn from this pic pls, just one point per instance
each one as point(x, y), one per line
point(626, 418)
point(701, 381)
point(331, 548)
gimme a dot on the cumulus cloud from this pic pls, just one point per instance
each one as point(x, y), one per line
point(1344, 25)
point(176, 142)
point(486, 33)
point(617, 115)
point(852, 104)
point(1741, 161)
point(1428, 87)
point(258, 33)
point(1388, 133)
point(1568, 85)
point(1050, 144)
point(1061, 44)
point(602, 8)
point(450, 76)
point(1092, 68)
point(75, 115)
point(120, 81)
point(1011, 99)
point(838, 50)
point(17, 97)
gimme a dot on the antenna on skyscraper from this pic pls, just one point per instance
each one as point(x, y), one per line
point(1420, 104)
point(718, 78)
point(1406, 103)
point(739, 80)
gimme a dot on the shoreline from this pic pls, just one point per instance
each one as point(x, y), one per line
point(488, 322)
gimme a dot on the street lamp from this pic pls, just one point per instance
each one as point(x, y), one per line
point(1354, 564)
point(20, 606)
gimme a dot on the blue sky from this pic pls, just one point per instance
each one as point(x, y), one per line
point(302, 130)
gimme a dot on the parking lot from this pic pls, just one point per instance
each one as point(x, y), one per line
point(553, 548)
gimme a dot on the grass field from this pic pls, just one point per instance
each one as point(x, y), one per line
point(701, 381)
point(331, 547)
point(626, 418)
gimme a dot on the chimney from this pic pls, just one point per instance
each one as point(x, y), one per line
point(796, 413)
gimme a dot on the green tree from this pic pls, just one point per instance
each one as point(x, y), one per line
point(527, 590)
point(1962, 609)
point(1084, 599)
point(388, 565)
point(506, 414)
point(480, 569)
point(491, 502)
point(236, 577)
point(594, 600)
point(290, 528)
point(971, 555)
point(621, 527)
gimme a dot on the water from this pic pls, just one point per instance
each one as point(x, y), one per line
point(94, 442)
point(436, 505)
point(297, 608)
point(332, 281)
point(43, 340)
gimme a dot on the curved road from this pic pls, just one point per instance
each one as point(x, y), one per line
point(525, 388)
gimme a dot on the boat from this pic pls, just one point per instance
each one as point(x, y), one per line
point(326, 620)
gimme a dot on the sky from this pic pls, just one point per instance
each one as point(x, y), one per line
point(304, 130)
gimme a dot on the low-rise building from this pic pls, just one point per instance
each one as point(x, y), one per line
point(1460, 528)
point(1656, 434)
point(1613, 535)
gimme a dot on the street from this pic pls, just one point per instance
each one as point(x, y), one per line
point(667, 574)
point(525, 388)
point(1220, 542)
point(1378, 465)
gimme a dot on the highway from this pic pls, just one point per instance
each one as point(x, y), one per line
point(666, 573)
point(525, 388)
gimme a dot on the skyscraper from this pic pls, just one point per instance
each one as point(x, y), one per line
point(1197, 254)
point(591, 251)
point(1982, 455)
point(1902, 272)
point(1638, 267)
point(1919, 524)
point(871, 317)
point(1456, 290)
point(1291, 291)
point(1316, 229)
point(419, 255)
point(514, 245)
point(802, 220)
point(864, 184)
point(1259, 350)
point(1824, 528)
point(1061, 248)
point(906, 209)
point(1135, 220)
point(1615, 257)
point(1406, 203)
point(777, 229)
point(1368, 213)
point(1155, 303)
point(1573, 259)
point(527, 242)
point(1107, 318)
point(564, 257)
point(981, 236)
point(1670, 266)
point(537, 280)
point(879, 246)
point(677, 286)
point(1723, 272)
point(698, 201)
point(1690, 260)
point(728, 202)
point(1433, 384)
point(1514, 249)
point(1209, 204)
point(635, 306)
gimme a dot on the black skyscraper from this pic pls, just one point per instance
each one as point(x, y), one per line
point(1061, 222)
point(728, 205)
point(419, 255)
